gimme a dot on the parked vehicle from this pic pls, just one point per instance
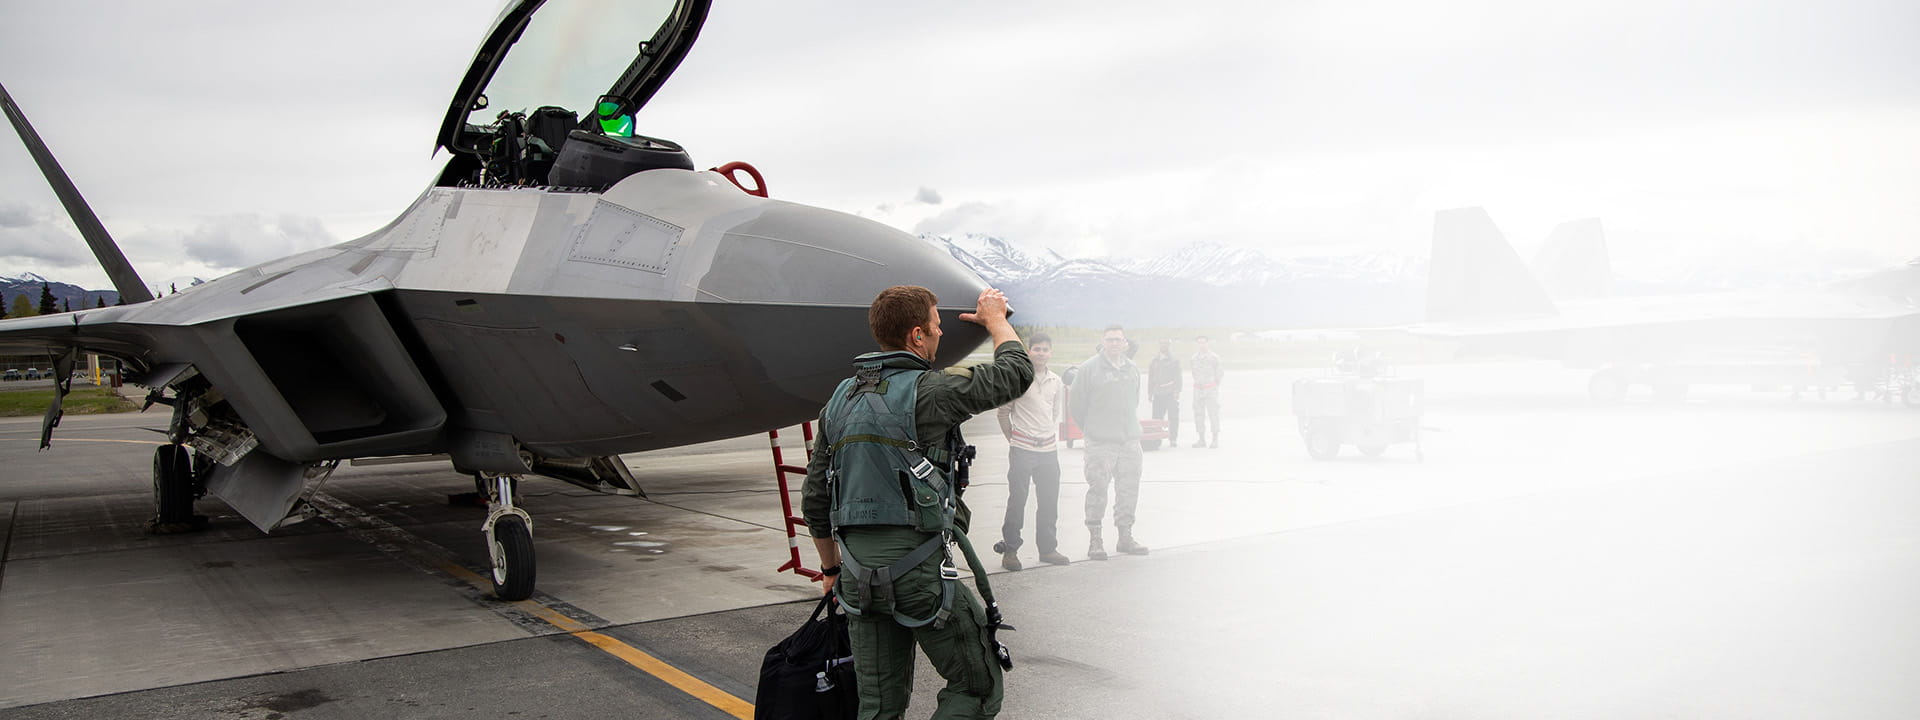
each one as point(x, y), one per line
point(1361, 404)
point(11, 374)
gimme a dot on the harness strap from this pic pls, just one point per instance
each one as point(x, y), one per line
point(878, 583)
point(937, 455)
point(882, 439)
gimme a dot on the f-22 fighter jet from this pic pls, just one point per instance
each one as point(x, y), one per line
point(565, 292)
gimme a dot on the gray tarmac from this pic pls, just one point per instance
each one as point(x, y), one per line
point(1736, 555)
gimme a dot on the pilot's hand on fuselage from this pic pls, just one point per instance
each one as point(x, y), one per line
point(991, 307)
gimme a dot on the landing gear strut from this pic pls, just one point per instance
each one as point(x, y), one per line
point(174, 489)
point(509, 533)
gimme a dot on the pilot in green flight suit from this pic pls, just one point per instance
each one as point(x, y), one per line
point(880, 487)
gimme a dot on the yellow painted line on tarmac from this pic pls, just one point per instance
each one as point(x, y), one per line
point(427, 556)
point(640, 660)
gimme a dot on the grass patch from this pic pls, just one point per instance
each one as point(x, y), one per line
point(82, 401)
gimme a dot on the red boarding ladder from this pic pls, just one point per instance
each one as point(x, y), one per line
point(792, 522)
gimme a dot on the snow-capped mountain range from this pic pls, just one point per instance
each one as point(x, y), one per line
point(74, 296)
point(1197, 285)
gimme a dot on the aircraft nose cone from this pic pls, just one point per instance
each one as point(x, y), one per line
point(798, 254)
point(789, 254)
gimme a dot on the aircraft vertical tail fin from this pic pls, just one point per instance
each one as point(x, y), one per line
point(1474, 273)
point(1573, 264)
point(125, 280)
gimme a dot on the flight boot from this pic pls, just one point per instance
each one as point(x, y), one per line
point(1096, 550)
point(1128, 545)
point(1010, 561)
point(1053, 557)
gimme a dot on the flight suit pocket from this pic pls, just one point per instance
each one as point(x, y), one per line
point(925, 502)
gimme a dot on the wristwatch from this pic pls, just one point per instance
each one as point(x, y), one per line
point(832, 571)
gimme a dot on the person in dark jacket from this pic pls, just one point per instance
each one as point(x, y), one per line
point(1163, 388)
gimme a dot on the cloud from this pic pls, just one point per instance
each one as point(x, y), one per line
point(240, 240)
point(967, 217)
point(1033, 226)
point(927, 195)
point(16, 215)
point(37, 235)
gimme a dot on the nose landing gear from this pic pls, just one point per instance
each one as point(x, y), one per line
point(509, 532)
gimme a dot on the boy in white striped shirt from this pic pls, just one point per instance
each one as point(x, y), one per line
point(1031, 424)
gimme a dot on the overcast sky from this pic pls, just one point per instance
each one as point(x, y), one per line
point(213, 135)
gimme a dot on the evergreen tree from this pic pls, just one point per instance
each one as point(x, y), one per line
point(66, 306)
point(100, 301)
point(3, 306)
point(173, 288)
point(48, 305)
point(22, 307)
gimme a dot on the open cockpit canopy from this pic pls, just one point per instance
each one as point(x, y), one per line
point(554, 71)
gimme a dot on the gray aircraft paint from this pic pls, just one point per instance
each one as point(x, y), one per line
point(522, 299)
point(523, 329)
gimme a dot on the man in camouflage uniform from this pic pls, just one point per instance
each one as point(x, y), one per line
point(906, 324)
point(1206, 394)
point(1105, 400)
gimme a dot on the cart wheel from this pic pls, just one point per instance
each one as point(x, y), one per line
point(1322, 444)
point(1373, 451)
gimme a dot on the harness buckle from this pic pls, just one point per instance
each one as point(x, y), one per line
point(947, 569)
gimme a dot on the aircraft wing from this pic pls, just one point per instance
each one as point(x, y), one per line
point(99, 330)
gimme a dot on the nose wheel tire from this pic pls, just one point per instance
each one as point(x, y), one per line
point(512, 555)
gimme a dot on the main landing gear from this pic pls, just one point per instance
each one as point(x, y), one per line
point(178, 480)
point(509, 533)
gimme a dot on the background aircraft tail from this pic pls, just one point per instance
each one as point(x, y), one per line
point(1573, 264)
point(1474, 273)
